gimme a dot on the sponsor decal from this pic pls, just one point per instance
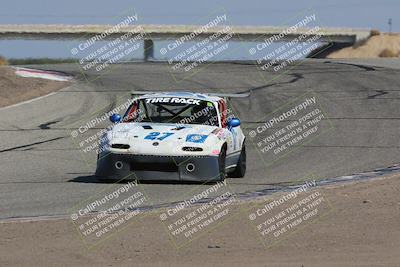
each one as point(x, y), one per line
point(219, 133)
point(157, 136)
point(173, 100)
point(215, 152)
point(196, 138)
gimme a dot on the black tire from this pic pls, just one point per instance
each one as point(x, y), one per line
point(103, 179)
point(240, 169)
point(221, 164)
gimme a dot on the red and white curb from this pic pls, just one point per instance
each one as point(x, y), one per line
point(42, 74)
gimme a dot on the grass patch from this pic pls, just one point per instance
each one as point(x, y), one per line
point(3, 61)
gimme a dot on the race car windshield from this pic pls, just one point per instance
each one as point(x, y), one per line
point(174, 110)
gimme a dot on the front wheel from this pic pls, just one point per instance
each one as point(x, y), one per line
point(240, 169)
point(221, 164)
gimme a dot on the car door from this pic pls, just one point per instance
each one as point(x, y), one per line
point(228, 133)
point(235, 133)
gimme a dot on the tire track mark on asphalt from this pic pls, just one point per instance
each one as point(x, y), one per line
point(31, 144)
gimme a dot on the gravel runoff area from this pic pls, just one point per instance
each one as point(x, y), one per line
point(362, 229)
point(15, 89)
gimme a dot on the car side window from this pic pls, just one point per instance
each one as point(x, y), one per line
point(131, 113)
point(222, 112)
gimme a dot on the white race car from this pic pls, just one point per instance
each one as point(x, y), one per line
point(175, 136)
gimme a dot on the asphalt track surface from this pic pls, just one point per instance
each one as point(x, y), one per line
point(44, 171)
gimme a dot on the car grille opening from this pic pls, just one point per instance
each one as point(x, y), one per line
point(120, 146)
point(192, 148)
point(155, 166)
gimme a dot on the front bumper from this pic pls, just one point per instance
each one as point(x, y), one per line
point(114, 166)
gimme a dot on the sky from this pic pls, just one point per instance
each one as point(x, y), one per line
point(331, 13)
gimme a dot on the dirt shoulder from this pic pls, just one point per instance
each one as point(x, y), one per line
point(382, 45)
point(15, 89)
point(362, 229)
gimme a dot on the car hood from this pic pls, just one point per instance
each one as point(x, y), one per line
point(163, 138)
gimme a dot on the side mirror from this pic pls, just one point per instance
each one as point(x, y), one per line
point(115, 118)
point(234, 122)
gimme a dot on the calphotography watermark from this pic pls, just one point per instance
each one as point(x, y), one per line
point(116, 44)
point(189, 53)
point(198, 138)
point(289, 127)
point(205, 209)
point(108, 212)
point(289, 47)
point(279, 217)
point(93, 135)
